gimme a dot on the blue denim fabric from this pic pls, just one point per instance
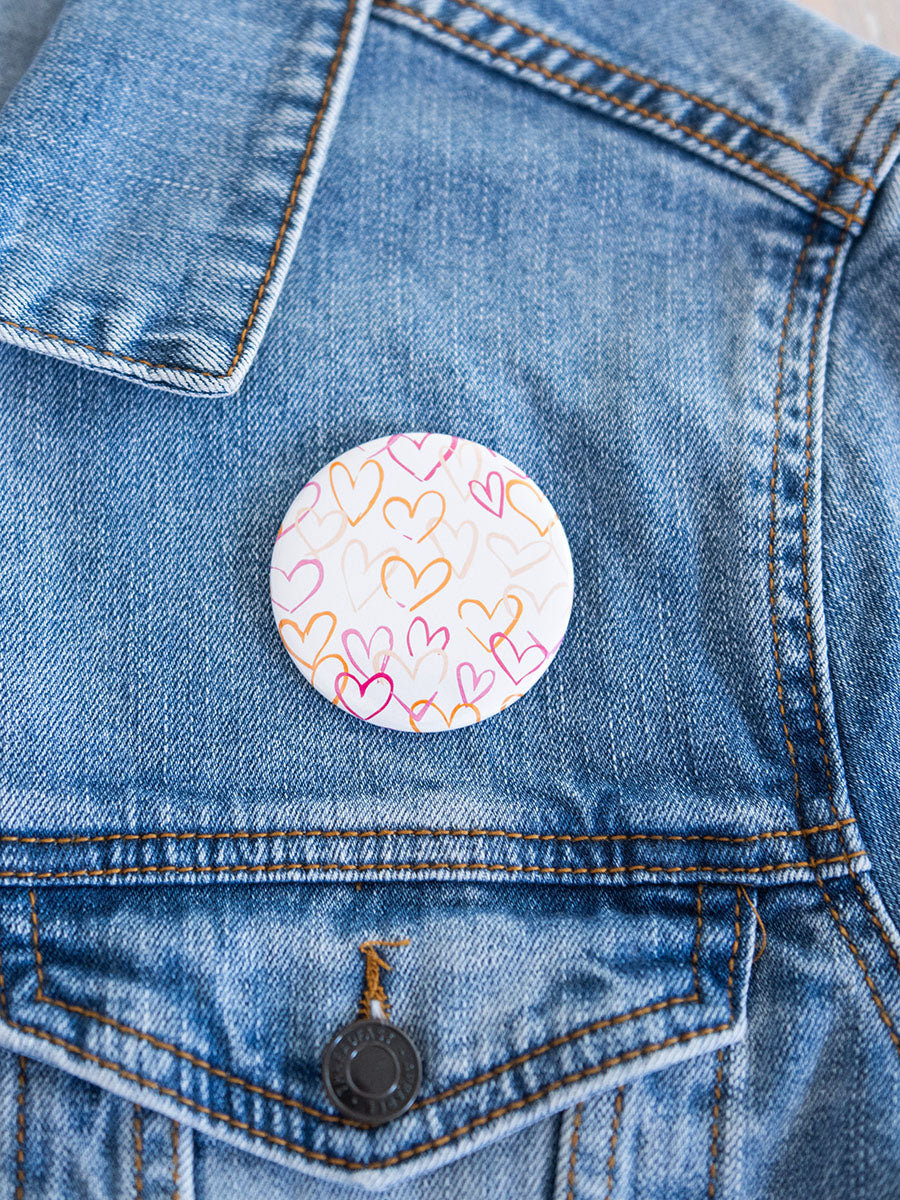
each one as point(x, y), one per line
point(651, 909)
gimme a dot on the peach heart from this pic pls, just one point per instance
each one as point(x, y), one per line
point(517, 559)
point(489, 495)
point(421, 456)
point(477, 614)
point(457, 544)
point(516, 665)
point(321, 532)
point(358, 569)
point(408, 521)
point(357, 493)
point(528, 503)
point(364, 698)
point(402, 584)
point(291, 589)
point(540, 605)
point(307, 644)
point(426, 672)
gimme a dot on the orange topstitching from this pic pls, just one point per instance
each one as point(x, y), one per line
point(627, 105)
point(42, 997)
point(413, 1151)
point(618, 69)
point(314, 131)
point(879, 1003)
point(247, 835)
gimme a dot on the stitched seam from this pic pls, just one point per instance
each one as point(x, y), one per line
point(248, 868)
point(714, 1136)
point(58, 337)
point(879, 1004)
point(20, 1132)
point(42, 997)
point(573, 1151)
point(413, 1151)
point(637, 77)
point(613, 1142)
point(627, 105)
point(82, 839)
point(695, 952)
point(276, 251)
point(301, 172)
point(138, 1153)
point(563, 1039)
point(176, 1138)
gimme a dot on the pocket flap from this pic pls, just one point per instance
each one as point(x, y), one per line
point(213, 1004)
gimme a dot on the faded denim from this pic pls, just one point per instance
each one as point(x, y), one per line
point(651, 909)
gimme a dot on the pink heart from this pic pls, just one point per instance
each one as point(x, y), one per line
point(285, 595)
point(418, 459)
point(363, 706)
point(469, 690)
point(417, 705)
point(359, 651)
point(502, 648)
point(424, 636)
point(484, 493)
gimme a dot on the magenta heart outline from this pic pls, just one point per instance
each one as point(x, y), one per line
point(289, 575)
point(363, 687)
point(488, 491)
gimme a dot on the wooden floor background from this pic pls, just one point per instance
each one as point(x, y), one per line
point(875, 20)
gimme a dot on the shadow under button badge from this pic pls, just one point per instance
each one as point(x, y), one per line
point(371, 1069)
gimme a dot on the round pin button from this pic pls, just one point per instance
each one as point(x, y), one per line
point(421, 582)
point(371, 1071)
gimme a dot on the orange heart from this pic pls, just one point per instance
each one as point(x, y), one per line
point(432, 707)
point(339, 667)
point(416, 579)
point(532, 506)
point(312, 643)
point(408, 526)
point(354, 494)
point(489, 616)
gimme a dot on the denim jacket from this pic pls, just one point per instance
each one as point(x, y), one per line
point(641, 925)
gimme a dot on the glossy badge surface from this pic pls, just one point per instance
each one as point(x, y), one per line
point(421, 582)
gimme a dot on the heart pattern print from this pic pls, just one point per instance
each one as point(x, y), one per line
point(421, 582)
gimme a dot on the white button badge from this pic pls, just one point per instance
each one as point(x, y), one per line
point(421, 582)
